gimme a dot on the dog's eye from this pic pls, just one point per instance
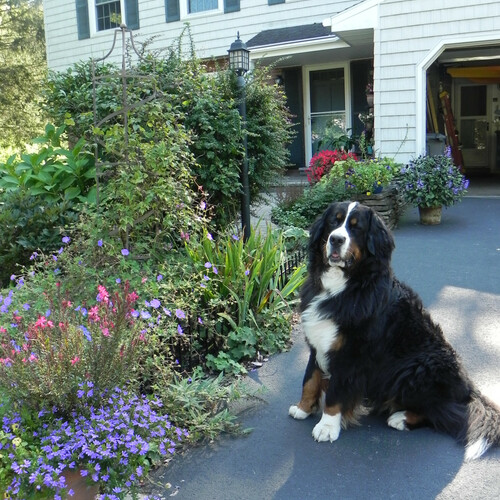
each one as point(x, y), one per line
point(353, 222)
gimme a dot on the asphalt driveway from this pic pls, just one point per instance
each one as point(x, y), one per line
point(455, 267)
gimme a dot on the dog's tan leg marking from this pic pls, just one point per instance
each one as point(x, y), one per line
point(328, 428)
point(311, 392)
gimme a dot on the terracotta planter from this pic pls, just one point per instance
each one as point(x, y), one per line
point(430, 216)
point(82, 490)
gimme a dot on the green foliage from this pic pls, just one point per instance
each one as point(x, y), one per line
point(29, 224)
point(200, 403)
point(367, 176)
point(241, 282)
point(22, 70)
point(430, 181)
point(202, 104)
point(52, 173)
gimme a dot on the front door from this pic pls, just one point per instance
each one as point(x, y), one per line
point(326, 107)
point(473, 123)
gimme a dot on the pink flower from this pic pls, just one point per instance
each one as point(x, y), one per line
point(75, 360)
point(105, 332)
point(103, 294)
point(94, 314)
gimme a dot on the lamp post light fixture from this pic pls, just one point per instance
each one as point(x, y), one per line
point(239, 62)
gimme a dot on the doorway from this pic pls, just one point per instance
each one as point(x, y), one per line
point(473, 123)
point(327, 105)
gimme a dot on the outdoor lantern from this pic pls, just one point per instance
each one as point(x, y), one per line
point(239, 62)
point(239, 57)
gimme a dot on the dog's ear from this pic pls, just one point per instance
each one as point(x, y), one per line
point(318, 227)
point(380, 241)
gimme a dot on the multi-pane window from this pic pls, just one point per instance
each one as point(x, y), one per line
point(108, 14)
point(201, 5)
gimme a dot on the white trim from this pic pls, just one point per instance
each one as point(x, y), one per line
point(421, 73)
point(363, 15)
point(307, 100)
point(93, 18)
point(297, 47)
point(185, 15)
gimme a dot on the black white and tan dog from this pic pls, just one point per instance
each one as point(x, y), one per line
point(372, 343)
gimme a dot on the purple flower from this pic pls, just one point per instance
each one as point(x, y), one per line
point(86, 333)
point(155, 303)
point(159, 277)
point(125, 252)
point(99, 243)
point(180, 314)
point(180, 331)
point(208, 265)
point(66, 239)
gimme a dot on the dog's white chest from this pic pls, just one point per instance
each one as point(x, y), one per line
point(321, 332)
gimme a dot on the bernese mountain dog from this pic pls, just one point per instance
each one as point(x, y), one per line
point(372, 344)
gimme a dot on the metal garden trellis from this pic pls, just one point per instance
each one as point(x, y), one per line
point(126, 107)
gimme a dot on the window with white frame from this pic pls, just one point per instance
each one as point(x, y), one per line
point(108, 14)
point(202, 5)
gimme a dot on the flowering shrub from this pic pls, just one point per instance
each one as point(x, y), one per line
point(430, 181)
point(49, 347)
point(323, 161)
point(113, 444)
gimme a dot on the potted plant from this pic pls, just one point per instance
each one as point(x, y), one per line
point(430, 183)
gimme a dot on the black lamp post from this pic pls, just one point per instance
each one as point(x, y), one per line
point(239, 62)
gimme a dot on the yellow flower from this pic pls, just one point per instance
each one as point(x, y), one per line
point(16, 441)
point(15, 427)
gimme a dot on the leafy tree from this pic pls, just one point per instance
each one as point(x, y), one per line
point(22, 69)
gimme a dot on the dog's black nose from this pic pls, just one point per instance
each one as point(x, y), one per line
point(337, 240)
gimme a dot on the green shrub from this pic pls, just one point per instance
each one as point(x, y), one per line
point(203, 104)
point(29, 224)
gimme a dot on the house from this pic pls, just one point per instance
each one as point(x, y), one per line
point(434, 66)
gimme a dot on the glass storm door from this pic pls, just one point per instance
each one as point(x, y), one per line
point(473, 124)
point(327, 107)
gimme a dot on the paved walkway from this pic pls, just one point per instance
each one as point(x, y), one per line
point(455, 267)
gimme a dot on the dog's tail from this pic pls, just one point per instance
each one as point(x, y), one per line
point(483, 426)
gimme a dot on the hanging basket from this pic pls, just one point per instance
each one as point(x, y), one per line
point(430, 216)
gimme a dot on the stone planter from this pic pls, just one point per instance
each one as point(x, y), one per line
point(430, 216)
point(388, 204)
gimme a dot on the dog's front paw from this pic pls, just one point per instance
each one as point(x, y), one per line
point(328, 428)
point(295, 412)
point(398, 421)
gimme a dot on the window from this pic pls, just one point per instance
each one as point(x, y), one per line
point(108, 14)
point(98, 15)
point(201, 5)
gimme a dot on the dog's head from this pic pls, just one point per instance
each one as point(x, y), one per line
point(346, 235)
